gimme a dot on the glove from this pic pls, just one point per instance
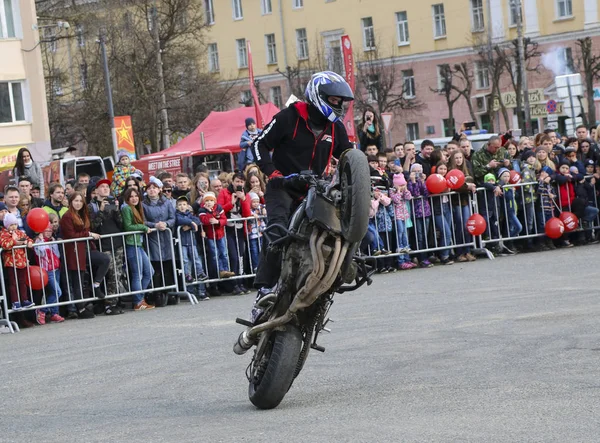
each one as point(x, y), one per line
point(280, 182)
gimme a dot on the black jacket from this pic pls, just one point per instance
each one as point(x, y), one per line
point(294, 145)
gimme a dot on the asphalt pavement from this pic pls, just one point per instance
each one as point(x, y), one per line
point(491, 351)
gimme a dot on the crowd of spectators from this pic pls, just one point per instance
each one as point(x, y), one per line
point(126, 226)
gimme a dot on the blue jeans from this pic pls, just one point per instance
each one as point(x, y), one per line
point(217, 252)
point(254, 253)
point(422, 224)
point(443, 222)
point(514, 225)
point(589, 213)
point(377, 242)
point(192, 266)
point(141, 271)
point(236, 247)
point(461, 215)
point(53, 291)
point(402, 240)
point(542, 217)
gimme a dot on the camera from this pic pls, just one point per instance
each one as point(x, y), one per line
point(203, 186)
point(239, 189)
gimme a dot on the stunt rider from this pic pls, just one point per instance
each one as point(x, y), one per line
point(302, 137)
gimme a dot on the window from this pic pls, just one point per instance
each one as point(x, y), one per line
point(83, 75)
point(477, 23)
point(333, 51)
point(209, 12)
point(448, 127)
point(564, 8)
point(80, 36)
point(298, 4)
point(213, 57)
point(513, 13)
point(238, 14)
point(301, 44)
point(50, 39)
point(482, 75)
point(12, 108)
point(439, 21)
point(372, 87)
point(56, 83)
point(242, 53)
point(7, 19)
point(265, 7)
point(566, 58)
point(408, 84)
point(412, 131)
point(276, 98)
point(402, 28)
point(271, 49)
point(443, 72)
point(368, 33)
point(246, 98)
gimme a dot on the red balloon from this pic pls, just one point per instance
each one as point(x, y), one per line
point(570, 221)
point(436, 183)
point(515, 178)
point(37, 277)
point(37, 219)
point(455, 179)
point(476, 224)
point(554, 228)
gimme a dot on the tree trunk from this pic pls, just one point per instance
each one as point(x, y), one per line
point(589, 91)
point(584, 116)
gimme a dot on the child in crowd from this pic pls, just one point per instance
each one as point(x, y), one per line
point(422, 210)
point(375, 243)
point(401, 197)
point(384, 217)
point(214, 220)
point(192, 264)
point(255, 228)
point(545, 204)
point(123, 169)
point(54, 221)
point(15, 260)
point(508, 205)
point(48, 258)
point(527, 202)
point(442, 215)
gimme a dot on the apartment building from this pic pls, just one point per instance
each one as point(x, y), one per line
point(416, 38)
point(23, 111)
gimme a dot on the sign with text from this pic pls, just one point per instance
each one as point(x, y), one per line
point(510, 98)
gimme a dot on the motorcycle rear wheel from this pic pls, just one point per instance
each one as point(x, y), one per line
point(269, 390)
point(355, 184)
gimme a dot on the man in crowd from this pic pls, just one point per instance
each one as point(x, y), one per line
point(83, 178)
point(55, 202)
point(11, 199)
point(25, 189)
point(216, 186)
point(105, 218)
point(184, 185)
point(409, 156)
point(371, 150)
point(427, 148)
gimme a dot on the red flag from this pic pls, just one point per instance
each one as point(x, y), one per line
point(349, 68)
point(260, 121)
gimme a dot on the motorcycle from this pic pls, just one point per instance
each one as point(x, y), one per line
point(318, 259)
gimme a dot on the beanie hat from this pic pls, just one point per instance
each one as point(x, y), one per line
point(254, 196)
point(249, 121)
point(415, 165)
point(564, 162)
point(570, 149)
point(399, 180)
point(548, 170)
point(209, 196)
point(590, 162)
point(574, 170)
point(489, 177)
point(3, 207)
point(155, 181)
point(527, 154)
point(10, 219)
point(122, 153)
point(502, 171)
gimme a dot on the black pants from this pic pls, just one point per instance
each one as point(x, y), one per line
point(99, 264)
point(279, 210)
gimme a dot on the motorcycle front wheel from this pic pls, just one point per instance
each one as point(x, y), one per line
point(355, 184)
point(275, 369)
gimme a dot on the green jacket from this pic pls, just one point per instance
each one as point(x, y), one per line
point(480, 160)
point(129, 225)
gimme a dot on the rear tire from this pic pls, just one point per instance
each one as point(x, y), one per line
point(278, 376)
point(355, 185)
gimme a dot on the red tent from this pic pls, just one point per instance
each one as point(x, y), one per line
point(222, 133)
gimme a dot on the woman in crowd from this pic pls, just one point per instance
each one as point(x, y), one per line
point(542, 160)
point(514, 155)
point(159, 214)
point(75, 224)
point(370, 131)
point(25, 166)
point(442, 213)
point(137, 259)
point(461, 210)
point(200, 185)
point(254, 183)
point(585, 151)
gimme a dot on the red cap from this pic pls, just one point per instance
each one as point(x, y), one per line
point(104, 181)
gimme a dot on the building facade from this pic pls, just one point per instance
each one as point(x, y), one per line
point(23, 110)
point(415, 39)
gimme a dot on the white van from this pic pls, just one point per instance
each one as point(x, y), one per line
point(478, 140)
point(66, 169)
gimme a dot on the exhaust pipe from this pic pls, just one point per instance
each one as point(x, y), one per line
point(243, 343)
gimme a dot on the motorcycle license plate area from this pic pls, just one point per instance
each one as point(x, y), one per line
point(321, 211)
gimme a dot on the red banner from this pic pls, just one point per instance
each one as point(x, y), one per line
point(260, 121)
point(349, 68)
point(125, 140)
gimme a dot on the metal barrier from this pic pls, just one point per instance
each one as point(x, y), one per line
point(216, 257)
point(67, 288)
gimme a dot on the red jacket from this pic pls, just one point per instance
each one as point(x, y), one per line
point(567, 194)
point(224, 200)
point(213, 232)
point(19, 259)
point(76, 261)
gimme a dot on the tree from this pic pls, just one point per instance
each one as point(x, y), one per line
point(590, 64)
point(449, 91)
point(134, 32)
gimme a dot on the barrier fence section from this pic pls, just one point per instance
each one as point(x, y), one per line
point(219, 254)
point(119, 263)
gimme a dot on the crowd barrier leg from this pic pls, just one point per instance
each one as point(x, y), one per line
point(182, 271)
point(5, 320)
